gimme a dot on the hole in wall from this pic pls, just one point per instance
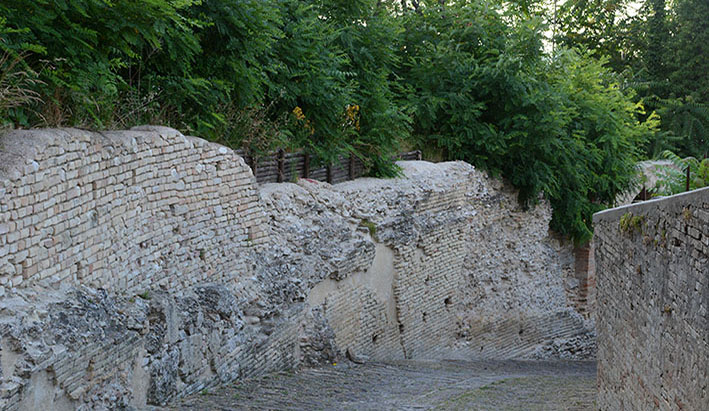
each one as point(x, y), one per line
point(375, 337)
point(424, 317)
point(521, 331)
point(448, 302)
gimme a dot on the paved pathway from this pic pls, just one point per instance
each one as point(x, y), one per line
point(413, 385)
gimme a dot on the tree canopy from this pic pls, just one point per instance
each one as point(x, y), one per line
point(660, 49)
point(472, 79)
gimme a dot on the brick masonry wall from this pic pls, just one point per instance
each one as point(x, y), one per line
point(652, 267)
point(442, 263)
point(143, 265)
point(423, 241)
point(585, 285)
point(521, 290)
point(124, 211)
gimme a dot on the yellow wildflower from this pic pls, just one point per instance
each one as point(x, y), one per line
point(298, 113)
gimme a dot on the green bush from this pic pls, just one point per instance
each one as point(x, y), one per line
point(673, 179)
point(465, 80)
point(89, 52)
point(482, 91)
point(307, 80)
point(368, 30)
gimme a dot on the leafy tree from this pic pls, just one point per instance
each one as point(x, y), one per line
point(658, 37)
point(236, 38)
point(481, 90)
point(82, 45)
point(687, 122)
point(601, 142)
point(308, 78)
point(674, 85)
point(604, 26)
point(660, 51)
point(688, 63)
point(367, 31)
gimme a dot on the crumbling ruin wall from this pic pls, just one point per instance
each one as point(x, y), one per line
point(652, 266)
point(442, 263)
point(173, 272)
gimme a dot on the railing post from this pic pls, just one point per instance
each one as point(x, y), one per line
point(329, 173)
point(419, 155)
point(352, 167)
point(280, 155)
point(687, 185)
point(253, 161)
point(306, 165)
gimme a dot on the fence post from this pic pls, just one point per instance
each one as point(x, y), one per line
point(419, 155)
point(329, 173)
point(280, 160)
point(306, 165)
point(352, 166)
point(253, 161)
point(687, 185)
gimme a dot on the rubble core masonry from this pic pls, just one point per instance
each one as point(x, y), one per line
point(140, 266)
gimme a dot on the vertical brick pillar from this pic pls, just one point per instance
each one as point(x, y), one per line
point(584, 272)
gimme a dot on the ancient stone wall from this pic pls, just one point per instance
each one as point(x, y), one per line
point(440, 264)
point(520, 285)
point(125, 211)
point(171, 271)
point(652, 266)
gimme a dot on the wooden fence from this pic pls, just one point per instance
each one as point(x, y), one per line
point(281, 167)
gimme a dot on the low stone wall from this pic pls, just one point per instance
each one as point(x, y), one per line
point(174, 272)
point(652, 262)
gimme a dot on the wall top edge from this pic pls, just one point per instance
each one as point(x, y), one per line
point(19, 148)
point(678, 201)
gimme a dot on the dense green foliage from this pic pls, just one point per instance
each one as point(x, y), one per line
point(90, 52)
point(462, 80)
point(673, 179)
point(482, 91)
point(661, 49)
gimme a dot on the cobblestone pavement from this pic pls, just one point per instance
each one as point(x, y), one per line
point(413, 385)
